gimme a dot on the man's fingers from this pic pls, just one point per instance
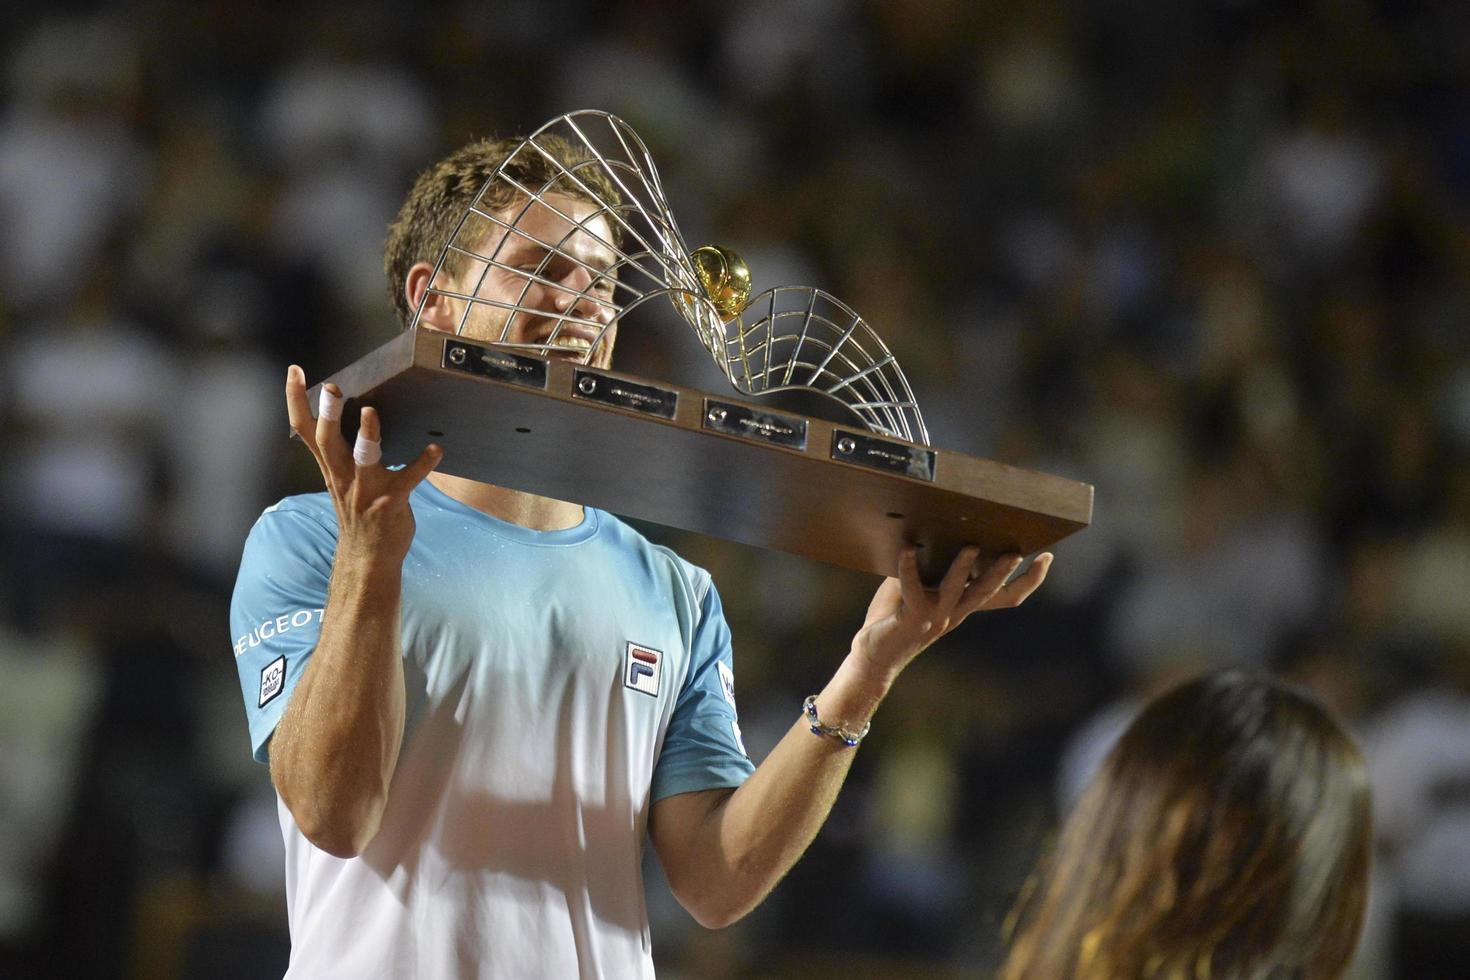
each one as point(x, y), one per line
point(368, 450)
point(994, 577)
point(1016, 592)
point(911, 587)
point(953, 584)
point(329, 428)
point(996, 594)
point(298, 411)
point(414, 472)
point(983, 591)
point(369, 426)
point(329, 404)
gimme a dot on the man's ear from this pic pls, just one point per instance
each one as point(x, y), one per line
point(439, 311)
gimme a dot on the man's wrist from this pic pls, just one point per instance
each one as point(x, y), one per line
point(366, 563)
point(870, 674)
point(853, 694)
point(365, 587)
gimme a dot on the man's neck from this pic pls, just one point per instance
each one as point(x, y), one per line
point(512, 506)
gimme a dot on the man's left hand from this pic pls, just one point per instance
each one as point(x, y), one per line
point(904, 617)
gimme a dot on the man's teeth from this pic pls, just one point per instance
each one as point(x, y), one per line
point(570, 343)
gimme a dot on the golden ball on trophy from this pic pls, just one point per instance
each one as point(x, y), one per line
point(725, 278)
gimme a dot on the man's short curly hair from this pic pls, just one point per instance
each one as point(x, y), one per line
point(444, 192)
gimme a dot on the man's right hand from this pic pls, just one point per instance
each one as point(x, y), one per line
point(335, 749)
point(374, 520)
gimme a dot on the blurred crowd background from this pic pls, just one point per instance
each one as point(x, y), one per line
point(1212, 257)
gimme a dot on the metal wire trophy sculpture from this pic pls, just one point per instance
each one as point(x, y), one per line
point(566, 237)
point(788, 338)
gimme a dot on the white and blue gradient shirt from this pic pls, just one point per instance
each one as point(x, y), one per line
point(559, 683)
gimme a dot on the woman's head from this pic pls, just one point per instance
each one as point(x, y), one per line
point(1227, 835)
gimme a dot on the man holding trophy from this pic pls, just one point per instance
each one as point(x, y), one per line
point(475, 701)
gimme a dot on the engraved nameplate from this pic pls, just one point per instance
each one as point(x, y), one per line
point(750, 423)
point(500, 365)
point(880, 454)
point(648, 399)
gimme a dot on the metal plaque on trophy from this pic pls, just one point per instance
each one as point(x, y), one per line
point(818, 450)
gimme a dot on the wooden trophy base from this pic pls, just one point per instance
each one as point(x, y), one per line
point(705, 463)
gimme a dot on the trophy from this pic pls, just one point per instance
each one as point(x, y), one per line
point(820, 451)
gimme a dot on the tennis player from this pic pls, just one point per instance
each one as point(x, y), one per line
point(476, 703)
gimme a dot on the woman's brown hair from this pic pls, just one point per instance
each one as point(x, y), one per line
point(1227, 836)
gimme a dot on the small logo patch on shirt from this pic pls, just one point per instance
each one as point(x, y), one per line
point(272, 680)
point(727, 681)
point(641, 668)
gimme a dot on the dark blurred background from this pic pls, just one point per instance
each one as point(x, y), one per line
point(1211, 257)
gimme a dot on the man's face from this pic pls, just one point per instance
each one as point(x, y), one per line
point(550, 281)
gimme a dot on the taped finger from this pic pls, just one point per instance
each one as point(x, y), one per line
point(367, 452)
point(329, 406)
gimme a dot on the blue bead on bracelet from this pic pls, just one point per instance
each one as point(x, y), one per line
point(843, 735)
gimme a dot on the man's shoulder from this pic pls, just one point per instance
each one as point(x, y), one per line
point(293, 540)
point(306, 520)
point(662, 558)
point(314, 507)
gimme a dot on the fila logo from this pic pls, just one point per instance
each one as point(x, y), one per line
point(641, 668)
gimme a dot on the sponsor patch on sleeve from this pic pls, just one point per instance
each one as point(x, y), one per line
point(281, 625)
point(272, 680)
point(727, 682)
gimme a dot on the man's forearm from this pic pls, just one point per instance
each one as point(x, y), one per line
point(723, 850)
point(746, 844)
point(335, 749)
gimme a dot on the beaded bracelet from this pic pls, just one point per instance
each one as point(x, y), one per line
point(850, 739)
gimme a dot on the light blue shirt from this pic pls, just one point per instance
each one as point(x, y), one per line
point(559, 682)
